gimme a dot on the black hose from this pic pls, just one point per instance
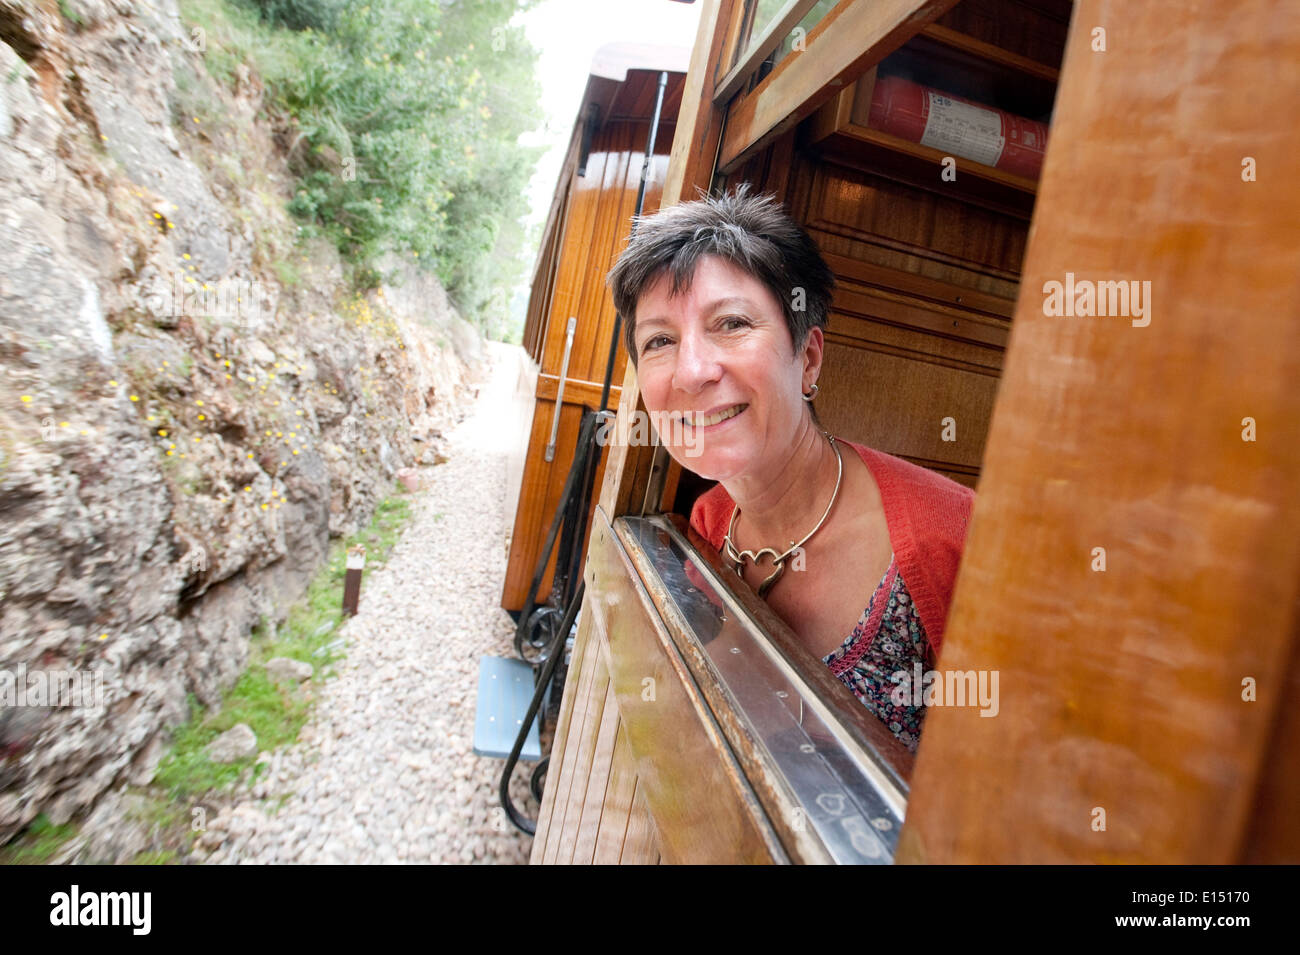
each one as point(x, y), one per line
point(535, 780)
point(554, 655)
point(571, 482)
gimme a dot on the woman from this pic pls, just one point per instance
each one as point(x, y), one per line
point(725, 300)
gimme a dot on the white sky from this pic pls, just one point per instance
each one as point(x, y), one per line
point(567, 34)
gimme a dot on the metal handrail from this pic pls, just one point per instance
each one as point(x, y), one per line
point(559, 391)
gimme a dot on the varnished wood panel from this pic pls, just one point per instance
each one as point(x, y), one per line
point(1031, 28)
point(539, 496)
point(597, 226)
point(1121, 690)
point(690, 167)
point(1274, 837)
point(546, 837)
point(912, 406)
point(599, 223)
point(613, 824)
point(576, 391)
point(596, 218)
point(584, 763)
point(912, 230)
point(542, 287)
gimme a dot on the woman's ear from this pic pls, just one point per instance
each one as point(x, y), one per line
point(813, 348)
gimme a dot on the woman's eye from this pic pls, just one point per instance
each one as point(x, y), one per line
point(652, 343)
point(735, 321)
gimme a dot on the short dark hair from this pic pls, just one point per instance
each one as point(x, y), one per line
point(753, 232)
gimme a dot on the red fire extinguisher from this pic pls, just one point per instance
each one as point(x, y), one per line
point(931, 117)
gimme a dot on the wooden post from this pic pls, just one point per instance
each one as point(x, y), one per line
point(1133, 567)
point(352, 581)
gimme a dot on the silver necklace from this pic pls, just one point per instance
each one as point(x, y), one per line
point(738, 558)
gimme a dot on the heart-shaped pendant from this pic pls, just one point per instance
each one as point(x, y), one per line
point(778, 565)
point(738, 558)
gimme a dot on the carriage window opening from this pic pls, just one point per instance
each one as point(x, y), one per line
point(690, 487)
point(759, 18)
point(797, 39)
point(762, 30)
point(852, 794)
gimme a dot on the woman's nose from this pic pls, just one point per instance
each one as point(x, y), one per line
point(697, 364)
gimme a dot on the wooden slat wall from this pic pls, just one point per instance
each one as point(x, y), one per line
point(689, 801)
point(1032, 28)
point(1121, 690)
point(601, 816)
point(595, 812)
point(921, 315)
point(548, 261)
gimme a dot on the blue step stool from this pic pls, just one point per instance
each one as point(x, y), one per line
point(505, 688)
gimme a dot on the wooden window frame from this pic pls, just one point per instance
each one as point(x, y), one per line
point(852, 38)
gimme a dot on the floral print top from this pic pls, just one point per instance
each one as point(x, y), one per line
point(888, 638)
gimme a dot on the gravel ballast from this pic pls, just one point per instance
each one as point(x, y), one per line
point(384, 771)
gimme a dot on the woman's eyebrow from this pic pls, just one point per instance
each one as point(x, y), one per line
point(728, 302)
point(716, 305)
point(645, 323)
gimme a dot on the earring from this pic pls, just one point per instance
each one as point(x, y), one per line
point(812, 394)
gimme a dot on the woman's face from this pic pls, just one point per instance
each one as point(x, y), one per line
point(718, 373)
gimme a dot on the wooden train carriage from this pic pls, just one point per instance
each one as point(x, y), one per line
point(1132, 566)
point(584, 232)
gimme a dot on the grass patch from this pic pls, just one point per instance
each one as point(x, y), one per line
point(276, 712)
point(38, 844)
point(162, 857)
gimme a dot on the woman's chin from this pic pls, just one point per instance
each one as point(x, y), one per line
point(712, 466)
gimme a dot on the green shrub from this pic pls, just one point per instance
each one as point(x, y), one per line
point(406, 116)
point(301, 14)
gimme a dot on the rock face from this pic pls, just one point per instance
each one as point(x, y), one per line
point(284, 670)
point(238, 742)
point(191, 404)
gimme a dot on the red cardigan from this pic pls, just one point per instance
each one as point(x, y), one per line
point(926, 513)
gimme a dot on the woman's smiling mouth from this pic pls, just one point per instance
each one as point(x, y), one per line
point(707, 420)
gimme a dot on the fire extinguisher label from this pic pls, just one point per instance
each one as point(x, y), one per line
point(963, 130)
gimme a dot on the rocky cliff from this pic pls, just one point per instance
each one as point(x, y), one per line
point(191, 402)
